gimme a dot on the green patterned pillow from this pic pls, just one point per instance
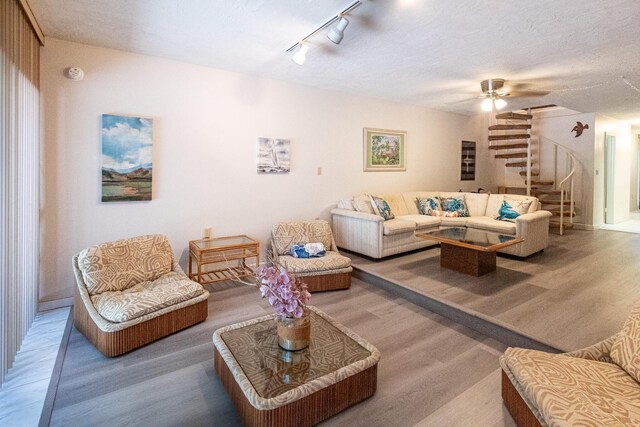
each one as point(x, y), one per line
point(382, 208)
point(428, 204)
point(454, 204)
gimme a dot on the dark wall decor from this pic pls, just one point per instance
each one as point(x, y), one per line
point(468, 161)
point(579, 128)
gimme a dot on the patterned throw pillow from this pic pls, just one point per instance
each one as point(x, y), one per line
point(454, 204)
point(512, 208)
point(428, 204)
point(446, 214)
point(382, 208)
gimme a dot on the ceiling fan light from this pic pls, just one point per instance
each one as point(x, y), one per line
point(487, 104)
point(301, 55)
point(500, 103)
point(337, 33)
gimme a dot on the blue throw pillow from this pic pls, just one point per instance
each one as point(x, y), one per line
point(428, 204)
point(454, 204)
point(507, 213)
point(382, 207)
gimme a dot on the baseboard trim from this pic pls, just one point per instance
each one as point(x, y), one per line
point(473, 320)
point(55, 303)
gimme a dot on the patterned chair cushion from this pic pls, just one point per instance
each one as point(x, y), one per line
point(625, 351)
point(569, 391)
point(145, 297)
point(331, 261)
point(285, 234)
point(119, 265)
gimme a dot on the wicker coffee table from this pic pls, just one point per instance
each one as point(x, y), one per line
point(468, 250)
point(270, 386)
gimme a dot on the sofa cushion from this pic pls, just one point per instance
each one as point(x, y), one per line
point(362, 203)
point(286, 234)
point(490, 224)
point(476, 203)
point(397, 226)
point(494, 202)
point(422, 222)
point(570, 391)
point(455, 204)
point(396, 203)
point(145, 297)
point(382, 208)
point(119, 265)
point(454, 221)
point(330, 261)
point(625, 351)
point(346, 203)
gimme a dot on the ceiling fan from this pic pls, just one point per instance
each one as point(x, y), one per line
point(494, 95)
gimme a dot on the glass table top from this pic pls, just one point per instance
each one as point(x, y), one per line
point(469, 236)
point(219, 242)
point(274, 371)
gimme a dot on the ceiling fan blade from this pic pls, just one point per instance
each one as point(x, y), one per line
point(527, 93)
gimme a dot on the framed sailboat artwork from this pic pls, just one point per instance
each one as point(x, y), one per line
point(273, 155)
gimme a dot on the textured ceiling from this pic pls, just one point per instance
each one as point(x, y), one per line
point(425, 52)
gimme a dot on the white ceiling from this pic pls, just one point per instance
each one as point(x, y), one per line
point(425, 52)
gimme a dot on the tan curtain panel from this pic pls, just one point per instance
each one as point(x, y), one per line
point(19, 179)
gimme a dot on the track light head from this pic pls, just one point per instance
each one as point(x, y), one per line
point(301, 55)
point(336, 34)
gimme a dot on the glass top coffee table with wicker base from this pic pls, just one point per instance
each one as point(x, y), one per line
point(468, 250)
point(270, 386)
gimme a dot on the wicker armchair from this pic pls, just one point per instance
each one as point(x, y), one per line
point(329, 272)
point(597, 385)
point(132, 292)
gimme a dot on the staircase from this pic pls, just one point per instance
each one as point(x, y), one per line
point(511, 139)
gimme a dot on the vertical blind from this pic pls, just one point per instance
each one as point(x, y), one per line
point(19, 179)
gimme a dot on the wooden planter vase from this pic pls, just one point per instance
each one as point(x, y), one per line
point(294, 333)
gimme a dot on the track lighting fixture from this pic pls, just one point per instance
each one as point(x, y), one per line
point(335, 35)
point(301, 55)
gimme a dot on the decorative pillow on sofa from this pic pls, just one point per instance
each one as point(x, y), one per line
point(625, 350)
point(454, 204)
point(382, 208)
point(447, 214)
point(512, 208)
point(428, 204)
point(362, 203)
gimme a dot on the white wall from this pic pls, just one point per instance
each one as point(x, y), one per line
point(206, 122)
point(622, 178)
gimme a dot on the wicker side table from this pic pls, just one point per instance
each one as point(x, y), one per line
point(222, 258)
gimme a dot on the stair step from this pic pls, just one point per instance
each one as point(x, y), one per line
point(517, 165)
point(511, 156)
point(556, 224)
point(508, 146)
point(509, 137)
point(533, 173)
point(549, 191)
point(514, 116)
point(557, 213)
point(554, 202)
point(540, 182)
point(509, 127)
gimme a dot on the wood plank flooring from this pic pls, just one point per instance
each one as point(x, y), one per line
point(432, 370)
point(575, 293)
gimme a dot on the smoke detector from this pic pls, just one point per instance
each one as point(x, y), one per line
point(74, 73)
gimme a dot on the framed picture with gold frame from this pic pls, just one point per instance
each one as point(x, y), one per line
point(384, 150)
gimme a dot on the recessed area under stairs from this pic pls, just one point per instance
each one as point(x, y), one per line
point(574, 294)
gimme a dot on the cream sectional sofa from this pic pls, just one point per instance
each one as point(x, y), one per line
point(369, 234)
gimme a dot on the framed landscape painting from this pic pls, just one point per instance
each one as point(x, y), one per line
point(384, 150)
point(126, 158)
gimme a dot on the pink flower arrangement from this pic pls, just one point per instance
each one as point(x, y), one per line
point(286, 293)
